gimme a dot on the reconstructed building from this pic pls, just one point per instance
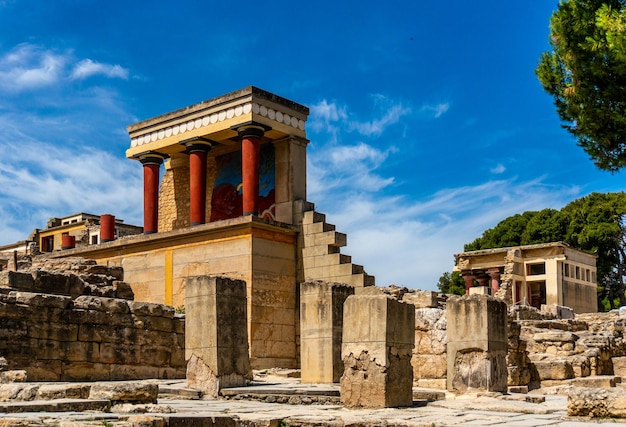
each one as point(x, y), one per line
point(550, 273)
point(81, 229)
point(225, 194)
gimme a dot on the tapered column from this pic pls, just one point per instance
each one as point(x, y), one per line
point(197, 148)
point(494, 274)
point(469, 282)
point(151, 164)
point(251, 165)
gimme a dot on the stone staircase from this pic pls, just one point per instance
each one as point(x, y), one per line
point(321, 255)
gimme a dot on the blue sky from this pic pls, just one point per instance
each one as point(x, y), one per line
point(427, 122)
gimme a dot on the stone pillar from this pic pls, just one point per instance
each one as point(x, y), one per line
point(216, 334)
point(494, 274)
point(378, 339)
point(477, 344)
point(250, 135)
point(151, 164)
point(321, 326)
point(107, 228)
point(469, 282)
point(197, 148)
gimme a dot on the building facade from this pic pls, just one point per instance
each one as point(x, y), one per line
point(550, 273)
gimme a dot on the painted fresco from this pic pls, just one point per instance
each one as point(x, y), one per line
point(227, 199)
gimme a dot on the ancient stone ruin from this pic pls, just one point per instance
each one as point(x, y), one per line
point(73, 319)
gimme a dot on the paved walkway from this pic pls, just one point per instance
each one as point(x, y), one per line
point(176, 410)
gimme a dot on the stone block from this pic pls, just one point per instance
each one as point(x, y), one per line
point(126, 391)
point(17, 280)
point(321, 326)
point(422, 299)
point(596, 402)
point(554, 369)
point(216, 333)
point(477, 344)
point(378, 339)
point(619, 366)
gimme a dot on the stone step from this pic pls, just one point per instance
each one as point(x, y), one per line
point(326, 260)
point(317, 227)
point(329, 238)
point(597, 381)
point(311, 217)
point(56, 405)
point(169, 392)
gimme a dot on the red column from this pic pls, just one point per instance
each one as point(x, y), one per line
point(197, 148)
point(469, 282)
point(250, 166)
point(107, 228)
point(495, 280)
point(68, 242)
point(151, 165)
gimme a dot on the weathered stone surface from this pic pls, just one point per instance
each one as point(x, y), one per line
point(55, 336)
point(136, 391)
point(594, 402)
point(17, 376)
point(378, 339)
point(554, 369)
point(216, 333)
point(321, 326)
point(477, 344)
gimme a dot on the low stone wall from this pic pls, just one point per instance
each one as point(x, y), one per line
point(57, 326)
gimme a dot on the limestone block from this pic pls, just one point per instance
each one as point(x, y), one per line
point(422, 299)
point(56, 283)
point(378, 339)
point(477, 343)
point(17, 280)
point(597, 402)
point(554, 369)
point(321, 326)
point(125, 391)
point(429, 366)
point(619, 366)
point(216, 333)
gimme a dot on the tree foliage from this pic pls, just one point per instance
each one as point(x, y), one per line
point(452, 283)
point(586, 74)
point(595, 224)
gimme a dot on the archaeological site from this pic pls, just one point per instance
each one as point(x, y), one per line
point(234, 305)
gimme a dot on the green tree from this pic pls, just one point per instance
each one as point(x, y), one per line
point(452, 283)
point(586, 74)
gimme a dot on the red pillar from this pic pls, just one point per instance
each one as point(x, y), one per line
point(68, 242)
point(495, 280)
point(197, 148)
point(151, 165)
point(469, 282)
point(250, 166)
point(107, 228)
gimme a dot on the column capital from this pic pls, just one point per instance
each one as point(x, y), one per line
point(251, 129)
point(150, 157)
point(197, 143)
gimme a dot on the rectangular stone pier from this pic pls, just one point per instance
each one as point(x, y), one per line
point(216, 334)
point(321, 326)
point(378, 339)
point(477, 344)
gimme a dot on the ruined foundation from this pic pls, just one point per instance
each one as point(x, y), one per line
point(477, 344)
point(378, 339)
point(216, 334)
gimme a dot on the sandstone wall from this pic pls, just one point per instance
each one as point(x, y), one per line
point(59, 326)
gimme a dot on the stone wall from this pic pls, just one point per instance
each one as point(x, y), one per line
point(73, 320)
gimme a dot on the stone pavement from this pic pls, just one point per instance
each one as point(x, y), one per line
point(178, 406)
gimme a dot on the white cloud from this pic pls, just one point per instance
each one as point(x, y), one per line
point(412, 242)
point(87, 68)
point(436, 110)
point(377, 126)
point(28, 67)
point(499, 169)
point(39, 179)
